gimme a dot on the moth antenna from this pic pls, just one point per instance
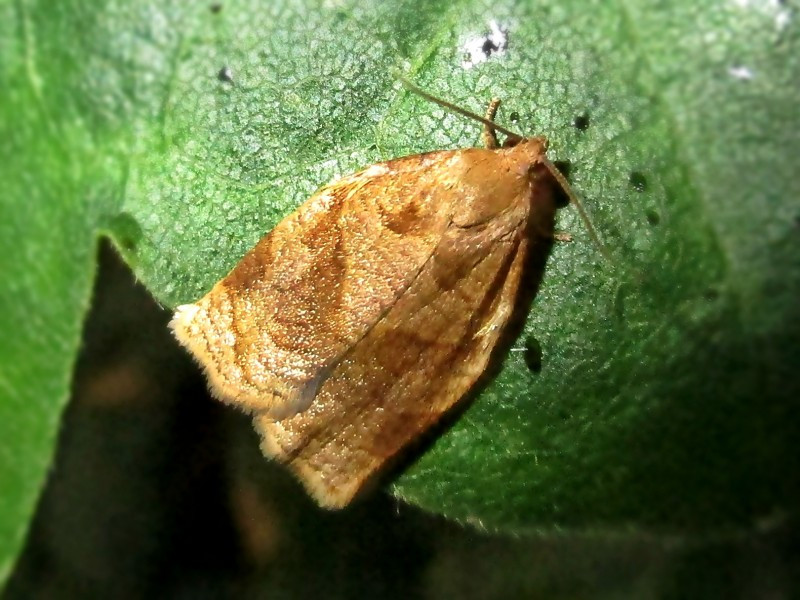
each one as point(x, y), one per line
point(491, 126)
point(573, 199)
point(456, 109)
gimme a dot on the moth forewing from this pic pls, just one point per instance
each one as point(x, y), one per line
point(370, 311)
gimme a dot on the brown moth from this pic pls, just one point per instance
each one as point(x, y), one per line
point(372, 309)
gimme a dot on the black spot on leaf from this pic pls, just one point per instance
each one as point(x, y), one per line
point(638, 181)
point(533, 354)
point(581, 122)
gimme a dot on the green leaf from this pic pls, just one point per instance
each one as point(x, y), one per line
point(665, 395)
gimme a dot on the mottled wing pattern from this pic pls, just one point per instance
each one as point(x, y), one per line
point(270, 332)
point(413, 365)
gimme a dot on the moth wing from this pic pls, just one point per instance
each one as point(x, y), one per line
point(271, 331)
point(414, 365)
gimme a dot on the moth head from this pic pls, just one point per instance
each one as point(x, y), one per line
point(532, 157)
point(512, 141)
point(525, 156)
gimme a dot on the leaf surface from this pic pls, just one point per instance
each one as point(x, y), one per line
point(653, 392)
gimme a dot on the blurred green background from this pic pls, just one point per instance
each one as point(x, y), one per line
point(638, 439)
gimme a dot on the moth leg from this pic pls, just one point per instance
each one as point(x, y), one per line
point(501, 314)
point(489, 134)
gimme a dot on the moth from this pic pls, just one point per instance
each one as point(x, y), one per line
point(371, 310)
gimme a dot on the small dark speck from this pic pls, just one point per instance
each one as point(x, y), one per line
point(127, 243)
point(514, 117)
point(561, 197)
point(533, 355)
point(215, 8)
point(581, 122)
point(126, 231)
point(711, 293)
point(638, 181)
point(653, 217)
point(225, 74)
point(489, 47)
